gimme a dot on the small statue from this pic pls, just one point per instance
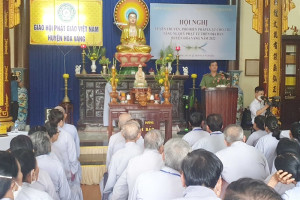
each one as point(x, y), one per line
point(133, 38)
point(140, 81)
point(185, 70)
point(77, 69)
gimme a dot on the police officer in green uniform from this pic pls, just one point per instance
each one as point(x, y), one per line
point(211, 79)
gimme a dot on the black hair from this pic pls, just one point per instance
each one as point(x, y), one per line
point(248, 188)
point(35, 129)
point(9, 168)
point(215, 122)
point(286, 145)
point(132, 13)
point(290, 163)
point(21, 142)
point(272, 123)
point(212, 61)
point(258, 89)
point(27, 161)
point(51, 129)
point(55, 116)
point(196, 119)
point(260, 122)
point(201, 167)
point(295, 130)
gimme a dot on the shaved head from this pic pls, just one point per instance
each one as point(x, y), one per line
point(123, 118)
point(130, 131)
point(61, 109)
point(233, 133)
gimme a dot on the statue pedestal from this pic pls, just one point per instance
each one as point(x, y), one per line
point(133, 59)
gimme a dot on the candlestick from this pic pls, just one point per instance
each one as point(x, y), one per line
point(83, 59)
point(66, 98)
point(177, 62)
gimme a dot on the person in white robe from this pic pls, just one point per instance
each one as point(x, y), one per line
point(215, 141)
point(166, 183)
point(239, 159)
point(42, 144)
point(197, 133)
point(30, 171)
point(70, 128)
point(108, 90)
point(119, 161)
point(66, 147)
point(258, 106)
point(201, 175)
point(151, 159)
point(268, 143)
point(43, 182)
point(288, 166)
point(259, 127)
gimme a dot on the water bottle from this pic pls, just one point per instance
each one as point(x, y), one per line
point(16, 127)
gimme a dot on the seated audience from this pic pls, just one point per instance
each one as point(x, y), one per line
point(195, 121)
point(239, 159)
point(288, 166)
point(10, 176)
point(117, 141)
point(201, 171)
point(215, 141)
point(151, 159)
point(248, 188)
point(43, 182)
point(259, 127)
point(131, 133)
point(166, 183)
point(35, 129)
point(30, 171)
point(71, 129)
point(295, 131)
point(285, 145)
point(268, 143)
point(41, 143)
point(65, 145)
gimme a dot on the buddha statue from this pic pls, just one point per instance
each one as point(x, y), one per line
point(133, 39)
point(140, 81)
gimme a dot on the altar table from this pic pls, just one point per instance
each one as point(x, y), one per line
point(151, 115)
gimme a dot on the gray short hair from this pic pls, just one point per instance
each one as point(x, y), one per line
point(153, 139)
point(130, 130)
point(175, 151)
point(233, 133)
point(41, 143)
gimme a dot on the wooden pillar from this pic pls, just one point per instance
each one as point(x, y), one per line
point(8, 18)
point(270, 21)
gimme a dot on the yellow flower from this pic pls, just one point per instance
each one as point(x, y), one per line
point(161, 81)
point(163, 74)
point(117, 80)
point(194, 75)
point(66, 75)
point(167, 58)
point(170, 55)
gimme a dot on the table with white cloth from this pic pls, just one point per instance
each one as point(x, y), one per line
point(5, 140)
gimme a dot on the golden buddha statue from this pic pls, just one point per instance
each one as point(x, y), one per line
point(133, 38)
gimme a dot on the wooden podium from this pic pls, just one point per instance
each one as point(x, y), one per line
point(220, 101)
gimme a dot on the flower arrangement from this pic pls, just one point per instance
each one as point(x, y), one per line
point(166, 55)
point(93, 52)
point(108, 77)
point(160, 76)
point(221, 80)
point(104, 61)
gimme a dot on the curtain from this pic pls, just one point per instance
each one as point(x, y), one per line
point(46, 65)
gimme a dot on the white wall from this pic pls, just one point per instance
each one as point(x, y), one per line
point(249, 49)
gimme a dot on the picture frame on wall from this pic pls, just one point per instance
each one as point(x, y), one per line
point(251, 67)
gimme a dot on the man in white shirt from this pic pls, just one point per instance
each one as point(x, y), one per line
point(201, 171)
point(195, 121)
point(215, 141)
point(119, 161)
point(239, 159)
point(70, 128)
point(166, 183)
point(257, 106)
point(259, 127)
point(151, 159)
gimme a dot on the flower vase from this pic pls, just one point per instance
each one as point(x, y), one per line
point(235, 77)
point(93, 66)
point(104, 69)
point(170, 67)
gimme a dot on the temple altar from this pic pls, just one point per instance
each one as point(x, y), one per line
point(92, 90)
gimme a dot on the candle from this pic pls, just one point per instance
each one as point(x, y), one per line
point(83, 46)
point(177, 48)
point(152, 97)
